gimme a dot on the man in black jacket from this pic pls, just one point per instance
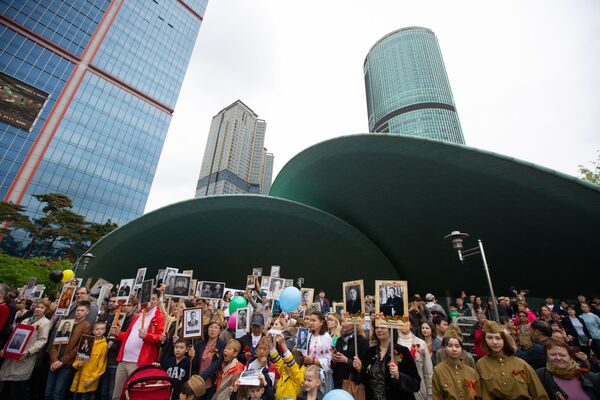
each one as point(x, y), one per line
point(250, 339)
point(536, 354)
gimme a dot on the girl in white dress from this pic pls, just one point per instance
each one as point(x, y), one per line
point(320, 347)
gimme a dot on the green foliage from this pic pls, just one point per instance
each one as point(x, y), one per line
point(15, 272)
point(591, 174)
point(59, 233)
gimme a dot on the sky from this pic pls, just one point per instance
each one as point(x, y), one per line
point(525, 77)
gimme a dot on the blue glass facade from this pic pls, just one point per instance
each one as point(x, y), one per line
point(407, 87)
point(105, 149)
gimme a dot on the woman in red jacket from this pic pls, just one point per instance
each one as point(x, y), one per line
point(139, 345)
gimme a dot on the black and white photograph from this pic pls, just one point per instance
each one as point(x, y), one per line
point(192, 323)
point(38, 291)
point(160, 276)
point(96, 287)
point(354, 297)
point(102, 292)
point(63, 333)
point(118, 324)
point(275, 271)
point(30, 287)
point(338, 307)
point(257, 271)
point(250, 281)
point(391, 298)
point(18, 341)
point(139, 278)
point(265, 282)
point(275, 287)
point(86, 343)
point(302, 339)
point(308, 295)
point(211, 290)
point(125, 289)
point(288, 283)
point(250, 377)
point(169, 278)
point(193, 286)
point(242, 319)
point(179, 285)
point(146, 291)
point(189, 272)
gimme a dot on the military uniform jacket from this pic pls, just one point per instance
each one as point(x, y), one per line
point(508, 378)
point(455, 380)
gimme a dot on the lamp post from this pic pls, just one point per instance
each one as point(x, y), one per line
point(86, 258)
point(457, 238)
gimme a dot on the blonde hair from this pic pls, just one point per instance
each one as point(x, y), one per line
point(315, 370)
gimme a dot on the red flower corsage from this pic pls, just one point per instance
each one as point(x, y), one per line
point(398, 357)
point(247, 349)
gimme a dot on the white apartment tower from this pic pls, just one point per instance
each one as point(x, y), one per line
point(235, 159)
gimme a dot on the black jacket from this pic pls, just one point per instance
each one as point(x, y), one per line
point(343, 371)
point(590, 383)
point(246, 342)
point(570, 329)
point(534, 355)
point(217, 360)
point(409, 383)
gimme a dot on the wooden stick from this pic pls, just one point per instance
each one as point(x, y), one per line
point(144, 306)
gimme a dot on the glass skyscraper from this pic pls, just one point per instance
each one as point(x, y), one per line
point(235, 160)
point(407, 87)
point(88, 92)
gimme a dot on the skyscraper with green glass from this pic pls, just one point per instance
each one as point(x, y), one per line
point(408, 91)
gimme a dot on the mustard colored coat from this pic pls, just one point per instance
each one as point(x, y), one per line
point(91, 369)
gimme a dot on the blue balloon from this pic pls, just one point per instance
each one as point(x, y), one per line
point(290, 298)
point(338, 394)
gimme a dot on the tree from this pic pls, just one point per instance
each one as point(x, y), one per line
point(15, 271)
point(592, 174)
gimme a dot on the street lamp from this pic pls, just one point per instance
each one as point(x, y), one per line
point(457, 238)
point(86, 258)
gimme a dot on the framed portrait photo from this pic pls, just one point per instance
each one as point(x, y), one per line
point(275, 287)
point(192, 323)
point(391, 298)
point(17, 343)
point(288, 283)
point(169, 276)
point(338, 307)
point(65, 299)
point(250, 281)
point(257, 271)
point(125, 289)
point(38, 291)
point(316, 306)
point(308, 295)
point(211, 290)
point(84, 350)
point(354, 297)
point(139, 278)
point(160, 276)
point(193, 286)
point(242, 322)
point(63, 332)
point(146, 291)
point(302, 339)
point(265, 282)
point(275, 271)
point(178, 285)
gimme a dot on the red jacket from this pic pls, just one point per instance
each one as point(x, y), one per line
point(149, 352)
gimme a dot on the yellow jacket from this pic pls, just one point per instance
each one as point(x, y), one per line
point(291, 377)
point(92, 369)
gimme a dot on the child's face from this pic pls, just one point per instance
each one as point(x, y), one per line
point(180, 349)
point(99, 330)
point(311, 382)
point(255, 392)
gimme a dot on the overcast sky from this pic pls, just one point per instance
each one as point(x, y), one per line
point(525, 77)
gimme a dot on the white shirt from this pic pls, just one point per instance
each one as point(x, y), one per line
point(133, 344)
point(255, 340)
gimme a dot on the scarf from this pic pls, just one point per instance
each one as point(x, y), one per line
point(573, 370)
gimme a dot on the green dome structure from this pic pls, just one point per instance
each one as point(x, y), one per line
point(377, 207)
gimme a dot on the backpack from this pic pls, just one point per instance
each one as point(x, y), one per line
point(147, 383)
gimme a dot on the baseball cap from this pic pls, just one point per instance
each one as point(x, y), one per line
point(258, 319)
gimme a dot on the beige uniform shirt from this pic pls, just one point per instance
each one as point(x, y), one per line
point(455, 380)
point(509, 378)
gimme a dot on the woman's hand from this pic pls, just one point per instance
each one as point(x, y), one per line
point(357, 364)
point(394, 371)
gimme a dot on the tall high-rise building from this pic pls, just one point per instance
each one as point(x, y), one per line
point(235, 159)
point(88, 92)
point(407, 87)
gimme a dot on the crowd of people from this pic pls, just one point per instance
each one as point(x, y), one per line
point(550, 352)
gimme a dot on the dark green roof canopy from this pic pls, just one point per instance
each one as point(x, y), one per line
point(377, 207)
point(539, 227)
point(221, 238)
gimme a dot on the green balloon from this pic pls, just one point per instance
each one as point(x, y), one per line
point(236, 303)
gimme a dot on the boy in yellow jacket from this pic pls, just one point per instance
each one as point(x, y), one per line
point(290, 368)
point(89, 372)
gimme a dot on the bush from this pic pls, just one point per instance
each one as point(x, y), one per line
point(15, 271)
